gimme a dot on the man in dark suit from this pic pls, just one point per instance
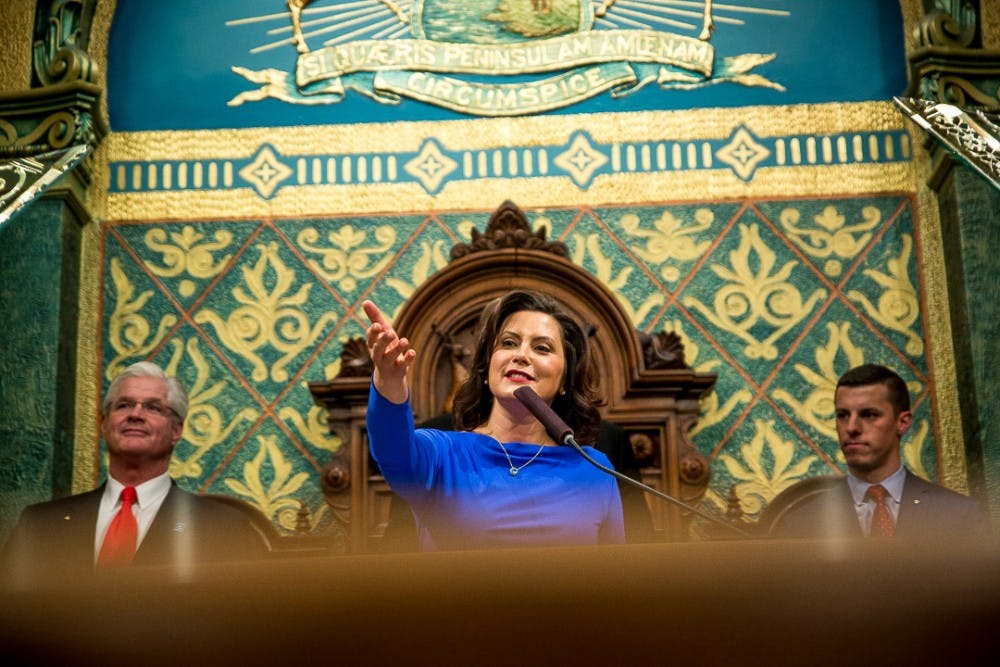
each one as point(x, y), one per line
point(878, 496)
point(140, 515)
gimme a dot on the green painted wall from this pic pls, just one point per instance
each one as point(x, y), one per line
point(971, 231)
point(39, 253)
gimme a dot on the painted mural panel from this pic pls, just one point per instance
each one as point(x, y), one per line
point(254, 64)
point(726, 172)
point(776, 296)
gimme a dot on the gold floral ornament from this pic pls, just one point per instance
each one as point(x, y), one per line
point(749, 297)
point(831, 239)
point(205, 427)
point(604, 270)
point(913, 446)
point(432, 258)
point(312, 428)
point(711, 413)
point(898, 307)
point(757, 485)
point(670, 239)
point(185, 252)
point(817, 408)
point(276, 500)
point(269, 317)
point(345, 259)
point(130, 334)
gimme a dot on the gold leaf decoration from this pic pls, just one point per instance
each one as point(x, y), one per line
point(757, 485)
point(748, 299)
point(817, 408)
point(670, 239)
point(346, 259)
point(312, 428)
point(205, 425)
point(913, 447)
point(831, 239)
point(590, 245)
point(269, 317)
point(432, 258)
point(711, 412)
point(898, 307)
point(185, 252)
point(130, 334)
point(276, 500)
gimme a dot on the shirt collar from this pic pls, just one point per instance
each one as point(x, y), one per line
point(150, 491)
point(893, 484)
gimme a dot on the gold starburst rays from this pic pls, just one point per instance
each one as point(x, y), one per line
point(341, 22)
point(335, 23)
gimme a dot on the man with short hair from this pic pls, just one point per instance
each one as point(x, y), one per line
point(140, 515)
point(878, 496)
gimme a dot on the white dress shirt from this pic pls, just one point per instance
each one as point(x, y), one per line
point(150, 495)
point(866, 508)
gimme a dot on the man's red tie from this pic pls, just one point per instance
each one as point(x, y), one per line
point(882, 522)
point(119, 542)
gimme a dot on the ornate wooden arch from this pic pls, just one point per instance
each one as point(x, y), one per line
point(649, 390)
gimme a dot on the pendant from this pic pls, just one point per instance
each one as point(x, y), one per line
point(513, 471)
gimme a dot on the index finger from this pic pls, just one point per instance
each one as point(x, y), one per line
point(374, 314)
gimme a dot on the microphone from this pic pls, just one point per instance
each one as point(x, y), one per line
point(559, 431)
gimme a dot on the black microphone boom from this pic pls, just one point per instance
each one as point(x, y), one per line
point(559, 431)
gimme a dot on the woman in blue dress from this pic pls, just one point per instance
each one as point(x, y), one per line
point(500, 481)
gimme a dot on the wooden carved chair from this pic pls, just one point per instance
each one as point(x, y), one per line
point(649, 390)
point(802, 491)
point(273, 542)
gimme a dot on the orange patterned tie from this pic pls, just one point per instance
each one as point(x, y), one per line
point(119, 542)
point(882, 523)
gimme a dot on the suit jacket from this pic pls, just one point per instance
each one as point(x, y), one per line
point(927, 511)
point(55, 539)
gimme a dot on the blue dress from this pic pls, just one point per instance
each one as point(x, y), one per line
point(459, 485)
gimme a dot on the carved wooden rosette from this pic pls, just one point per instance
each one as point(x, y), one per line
point(649, 390)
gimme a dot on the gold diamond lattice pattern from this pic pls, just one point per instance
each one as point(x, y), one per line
point(776, 297)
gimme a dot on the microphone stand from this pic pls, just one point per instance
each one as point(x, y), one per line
point(571, 441)
point(559, 431)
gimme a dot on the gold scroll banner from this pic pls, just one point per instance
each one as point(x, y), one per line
point(575, 50)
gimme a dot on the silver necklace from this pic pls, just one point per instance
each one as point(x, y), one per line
point(513, 470)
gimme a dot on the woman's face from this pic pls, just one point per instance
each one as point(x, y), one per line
point(528, 351)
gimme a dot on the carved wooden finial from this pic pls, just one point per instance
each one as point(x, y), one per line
point(734, 508)
point(302, 525)
point(663, 349)
point(508, 228)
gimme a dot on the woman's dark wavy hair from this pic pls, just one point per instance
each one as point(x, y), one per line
point(578, 407)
